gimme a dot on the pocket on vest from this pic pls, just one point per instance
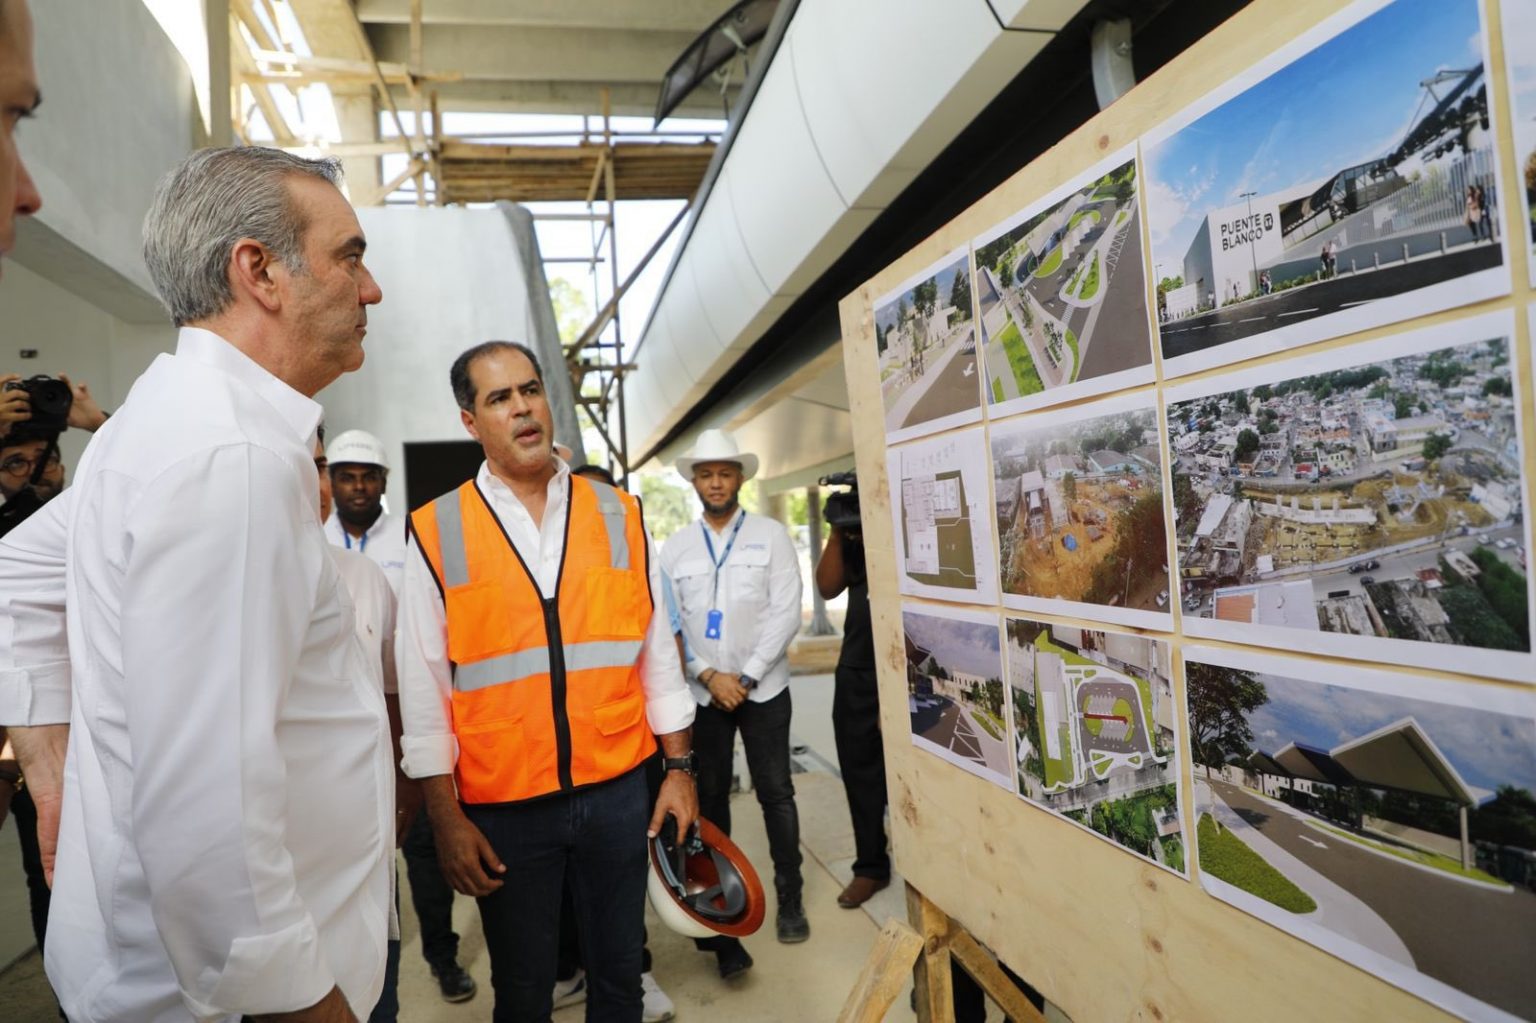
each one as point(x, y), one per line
point(618, 716)
point(617, 607)
point(478, 622)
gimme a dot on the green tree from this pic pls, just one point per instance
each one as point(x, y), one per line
point(1498, 385)
point(1168, 284)
point(1240, 400)
point(1402, 405)
point(668, 505)
point(1220, 700)
point(1263, 392)
point(1247, 445)
point(1381, 390)
point(571, 308)
point(1436, 444)
point(960, 293)
point(1069, 486)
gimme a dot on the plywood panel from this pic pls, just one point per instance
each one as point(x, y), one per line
point(1100, 934)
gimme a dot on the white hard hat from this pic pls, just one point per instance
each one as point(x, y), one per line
point(356, 447)
point(717, 446)
point(705, 886)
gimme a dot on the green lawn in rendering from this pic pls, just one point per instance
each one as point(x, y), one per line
point(1121, 217)
point(1023, 363)
point(997, 390)
point(1146, 701)
point(1094, 215)
point(989, 721)
point(1223, 855)
point(1050, 264)
point(1420, 857)
point(1077, 360)
point(1057, 772)
point(1090, 285)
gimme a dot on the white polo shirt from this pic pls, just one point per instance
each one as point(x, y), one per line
point(383, 543)
point(758, 596)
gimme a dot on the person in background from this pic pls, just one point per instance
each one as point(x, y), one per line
point(358, 474)
point(737, 581)
point(535, 682)
point(856, 715)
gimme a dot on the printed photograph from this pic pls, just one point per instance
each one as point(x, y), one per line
point(1093, 733)
point(1361, 169)
point(955, 689)
point(1389, 819)
point(926, 342)
point(941, 518)
point(1063, 294)
point(1080, 512)
point(1519, 18)
point(1360, 496)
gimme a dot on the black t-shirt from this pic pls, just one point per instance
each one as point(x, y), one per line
point(858, 635)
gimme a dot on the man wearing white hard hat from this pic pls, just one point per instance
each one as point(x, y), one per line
point(359, 471)
point(737, 582)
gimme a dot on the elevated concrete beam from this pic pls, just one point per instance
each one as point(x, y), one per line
point(561, 97)
point(537, 54)
point(672, 16)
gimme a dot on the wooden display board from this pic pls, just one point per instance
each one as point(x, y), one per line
point(1099, 932)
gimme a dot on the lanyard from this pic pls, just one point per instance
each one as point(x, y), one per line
point(741, 517)
point(346, 537)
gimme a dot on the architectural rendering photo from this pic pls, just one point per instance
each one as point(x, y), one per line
point(926, 342)
point(1080, 511)
point(1373, 498)
point(1093, 733)
point(941, 518)
point(1389, 819)
point(1062, 293)
point(955, 689)
point(1280, 214)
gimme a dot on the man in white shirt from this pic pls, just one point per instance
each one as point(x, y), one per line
point(533, 676)
point(357, 473)
point(230, 745)
point(737, 581)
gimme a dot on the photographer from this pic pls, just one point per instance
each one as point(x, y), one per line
point(33, 413)
point(856, 701)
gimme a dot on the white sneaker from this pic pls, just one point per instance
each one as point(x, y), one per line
point(657, 1006)
point(571, 992)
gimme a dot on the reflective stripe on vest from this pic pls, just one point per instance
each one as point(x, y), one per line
point(613, 518)
point(450, 538)
point(527, 663)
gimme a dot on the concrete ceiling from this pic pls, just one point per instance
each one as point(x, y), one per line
point(547, 56)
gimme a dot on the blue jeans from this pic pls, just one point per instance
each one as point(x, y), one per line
point(593, 838)
point(388, 1009)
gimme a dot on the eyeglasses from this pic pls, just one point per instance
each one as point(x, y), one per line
point(19, 466)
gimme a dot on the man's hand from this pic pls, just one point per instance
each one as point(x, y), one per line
point(333, 1008)
point(40, 750)
point(726, 691)
point(15, 405)
point(679, 796)
point(464, 854)
point(407, 806)
point(84, 413)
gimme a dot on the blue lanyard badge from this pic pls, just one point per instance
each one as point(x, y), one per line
point(712, 621)
point(362, 544)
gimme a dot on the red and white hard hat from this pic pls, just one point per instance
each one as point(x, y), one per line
point(704, 886)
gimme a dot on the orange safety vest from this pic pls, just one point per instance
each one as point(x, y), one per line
point(546, 691)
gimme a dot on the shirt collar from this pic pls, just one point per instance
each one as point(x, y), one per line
point(491, 483)
point(302, 414)
point(730, 523)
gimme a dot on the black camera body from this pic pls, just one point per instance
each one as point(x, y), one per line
point(50, 400)
point(842, 508)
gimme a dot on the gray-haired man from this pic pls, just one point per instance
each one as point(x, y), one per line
point(227, 750)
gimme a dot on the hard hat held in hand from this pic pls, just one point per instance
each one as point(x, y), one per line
point(704, 886)
point(356, 447)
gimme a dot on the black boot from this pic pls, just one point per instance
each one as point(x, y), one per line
point(793, 926)
point(455, 984)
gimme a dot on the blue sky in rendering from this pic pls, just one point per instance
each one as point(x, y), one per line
point(971, 647)
point(1346, 102)
point(885, 316)
point(1487, 748)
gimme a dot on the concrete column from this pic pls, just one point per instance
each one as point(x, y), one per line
point(1467, 859)
point(220, 127)
point(820, 625)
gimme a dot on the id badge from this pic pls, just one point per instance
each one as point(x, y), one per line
point(712, 625)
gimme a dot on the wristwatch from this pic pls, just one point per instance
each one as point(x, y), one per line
point(748, 682)
point(688, 764)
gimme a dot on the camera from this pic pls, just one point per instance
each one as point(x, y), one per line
point(50, 400)
point(842, 508)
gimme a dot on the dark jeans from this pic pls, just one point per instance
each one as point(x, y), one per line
point(861, 757)
point(764, 731)
point(388, 1008)
point(595, 837)
point(24, 811)
point(431, 896)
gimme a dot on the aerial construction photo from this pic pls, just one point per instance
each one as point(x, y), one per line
point(1372, 496)
point(1063, 293)
point(1080, 523)
point(1388, 818)
point(926, 342)
point(1360, 167)
point(955, 698)
point(1094, 733)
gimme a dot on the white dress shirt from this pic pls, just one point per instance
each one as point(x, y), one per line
point(421, 645)
point(758, 598)
point(34, 643)
point(383, 543)
point(228, 809)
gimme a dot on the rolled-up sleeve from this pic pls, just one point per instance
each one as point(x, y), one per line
point(669, 706)
point(214, 622)
point(34, 638)
point(428, 747)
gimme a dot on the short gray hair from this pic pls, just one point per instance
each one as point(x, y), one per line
point(214, 198)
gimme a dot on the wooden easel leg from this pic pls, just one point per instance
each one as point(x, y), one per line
point(885, 973)
point(935, 994)
point(992, 979)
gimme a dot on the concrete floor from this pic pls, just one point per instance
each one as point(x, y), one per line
point(789, 982)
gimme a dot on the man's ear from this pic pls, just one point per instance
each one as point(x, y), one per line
point(469, 423)
point(251, 273)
